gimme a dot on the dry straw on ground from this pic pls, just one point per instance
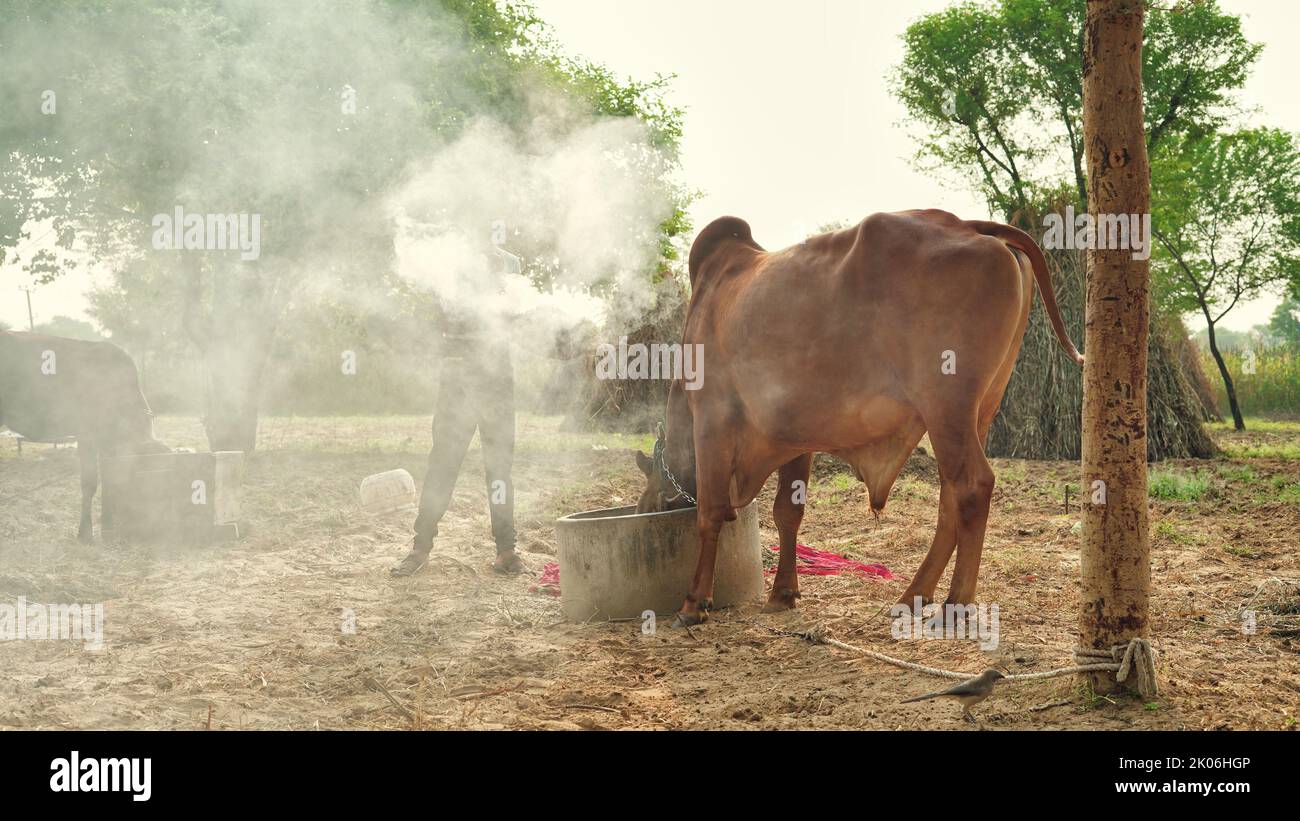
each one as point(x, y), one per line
point(253, 635)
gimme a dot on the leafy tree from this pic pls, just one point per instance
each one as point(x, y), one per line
point(994, 90)
point(235, 106)
point(1225, 212)
point(71, 328)
point(1285, 322)
point(997, 88)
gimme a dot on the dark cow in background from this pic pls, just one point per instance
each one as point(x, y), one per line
point(52, 388)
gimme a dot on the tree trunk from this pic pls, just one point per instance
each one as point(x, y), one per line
point(1238, 421)
point(235, 335)
point(240, 332)
point(1115, 555)
point(1189, 359)
point(234, 392)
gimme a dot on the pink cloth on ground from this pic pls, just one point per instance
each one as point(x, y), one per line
point(808, 562)
point(811, 562)
point(549, 583)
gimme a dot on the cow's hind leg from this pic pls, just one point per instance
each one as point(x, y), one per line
point(787, 510)
point(88, 455)
point(945, 540)
point(967, 479)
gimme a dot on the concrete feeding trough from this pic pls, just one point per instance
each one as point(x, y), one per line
point(175, 497)
point(616, 564)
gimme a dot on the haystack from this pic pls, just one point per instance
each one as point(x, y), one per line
point(1041, 412)
point(625, 405)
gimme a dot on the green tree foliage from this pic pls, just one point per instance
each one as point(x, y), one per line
point(70, 328)
point(115, 112)
point(996, 88)
point(993, 91)
point(1224, 210)
point(1285, 322)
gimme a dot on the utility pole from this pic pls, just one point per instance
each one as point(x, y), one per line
point(31, 322)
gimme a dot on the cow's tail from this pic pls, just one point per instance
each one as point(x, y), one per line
point(1019, 239)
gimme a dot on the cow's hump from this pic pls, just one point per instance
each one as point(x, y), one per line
point(717, 235)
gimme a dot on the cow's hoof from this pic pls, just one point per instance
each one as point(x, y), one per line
point(683, 619)
point(86, 536)
point(693, 613)
point(781, 599)
point(910, 599)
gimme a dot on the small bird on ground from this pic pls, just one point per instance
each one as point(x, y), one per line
point(969, 692)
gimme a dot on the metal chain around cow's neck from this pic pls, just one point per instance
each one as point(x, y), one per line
point(663, 465)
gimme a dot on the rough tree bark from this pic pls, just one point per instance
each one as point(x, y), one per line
point(235, 336)
point(1115, 559)
point(235, 368)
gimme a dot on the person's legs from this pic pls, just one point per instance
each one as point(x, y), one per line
point(497, 433)
point(453, 429)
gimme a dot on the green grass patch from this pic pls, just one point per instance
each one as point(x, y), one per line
point(843, 481)
point(1285, 490)
point(1012, 474)
point(1015, 561)
point(911, 489)
point(1285, 451)
point(1173, 486)
point(1236, 473)
point(1170, 531)
point(1240, 552)
point(1261, 424)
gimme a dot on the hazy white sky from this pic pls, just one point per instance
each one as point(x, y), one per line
point(789, 120)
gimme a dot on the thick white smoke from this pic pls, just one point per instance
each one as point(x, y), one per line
point(580, 202)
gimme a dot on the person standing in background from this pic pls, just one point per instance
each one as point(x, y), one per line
point(476, 392)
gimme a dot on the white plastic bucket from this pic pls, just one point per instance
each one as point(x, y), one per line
point(387, 491)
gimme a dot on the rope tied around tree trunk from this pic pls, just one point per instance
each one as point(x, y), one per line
point(1124, 658)
point(1121, 659)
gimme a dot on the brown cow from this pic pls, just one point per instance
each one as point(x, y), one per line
point(854, 343)
point(52, 388)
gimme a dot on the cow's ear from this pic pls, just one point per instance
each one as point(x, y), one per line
point(644, 462)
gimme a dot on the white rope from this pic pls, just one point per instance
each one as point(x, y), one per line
point(1136, 655)
point(1121, 659)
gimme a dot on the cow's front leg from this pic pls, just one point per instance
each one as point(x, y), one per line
point(713, 499)
point(699, 601)
point(787, 511)
point(88, 455)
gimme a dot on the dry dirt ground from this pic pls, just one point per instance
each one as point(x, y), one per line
point(253, 634)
